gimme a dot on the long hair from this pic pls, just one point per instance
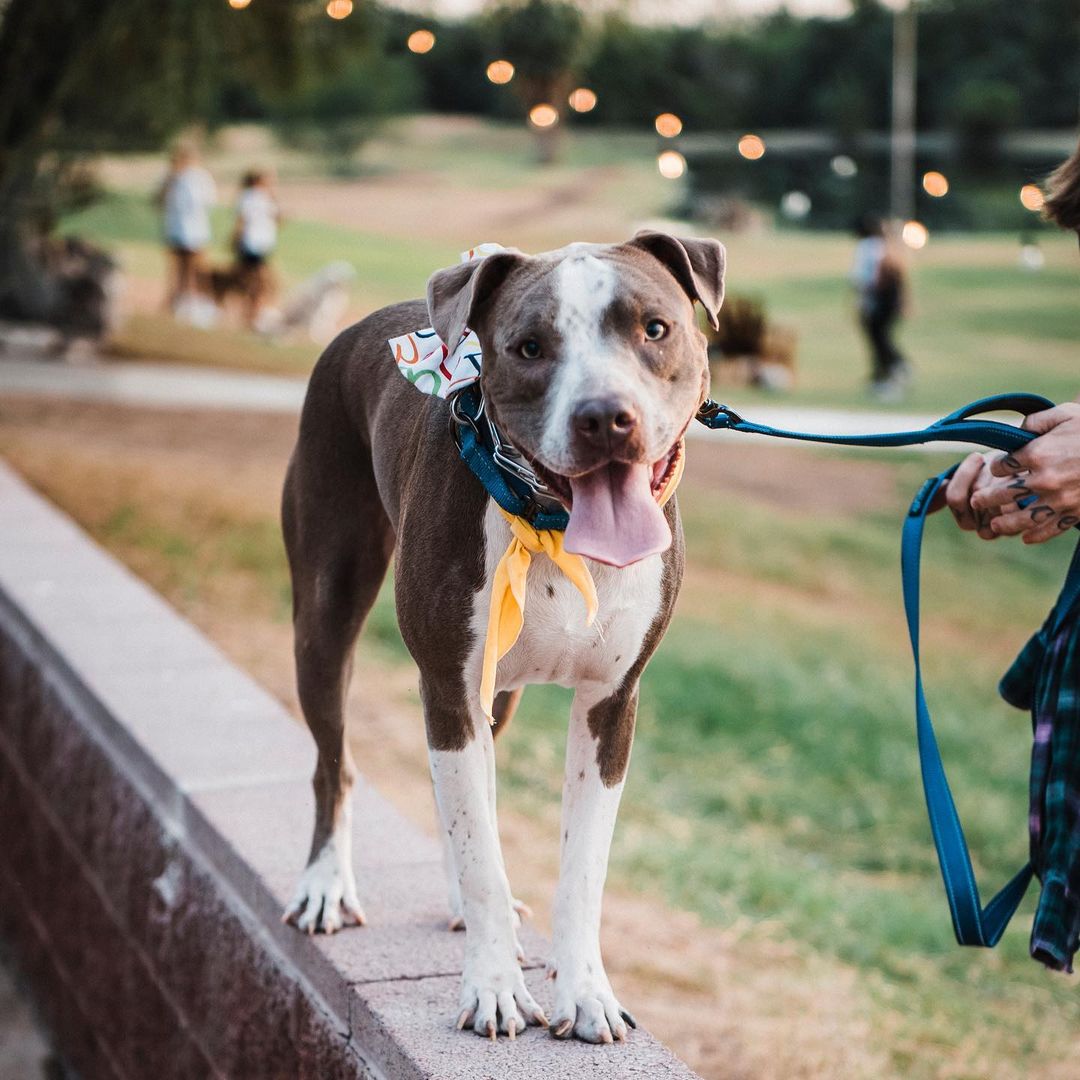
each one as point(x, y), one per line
point(1062, 204)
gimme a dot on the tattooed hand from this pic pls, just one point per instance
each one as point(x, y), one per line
point(1034, 491)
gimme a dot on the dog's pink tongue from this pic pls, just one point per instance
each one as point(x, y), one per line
point(614, 518)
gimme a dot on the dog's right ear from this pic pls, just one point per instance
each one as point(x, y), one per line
point(455, 295)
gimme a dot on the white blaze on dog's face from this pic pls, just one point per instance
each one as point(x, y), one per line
point(593, 367)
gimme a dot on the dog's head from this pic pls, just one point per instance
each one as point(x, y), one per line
point(593, 368)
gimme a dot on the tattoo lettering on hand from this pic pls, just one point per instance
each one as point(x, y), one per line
point(1012, 462)
point(1042, 514)
point(1067, 521)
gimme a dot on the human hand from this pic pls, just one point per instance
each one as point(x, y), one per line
point(1035, 491)
point(972, 477)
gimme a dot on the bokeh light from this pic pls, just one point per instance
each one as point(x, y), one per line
point(752, 147)
point(420, 41)
point(795, 205)
point(543, 116)
point(915, 234)
point(1032, 198)
point(671, 164)
point(500, 72)
point(582, 99)
point(844, 166)
point(668, 125)
point(935, 184)
point(239, 5)
point(339, 9)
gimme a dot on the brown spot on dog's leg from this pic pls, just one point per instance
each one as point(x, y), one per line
point(611, 722)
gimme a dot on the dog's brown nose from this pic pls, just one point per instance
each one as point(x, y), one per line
point(605, 423)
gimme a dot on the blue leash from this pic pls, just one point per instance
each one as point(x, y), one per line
point(973, 923)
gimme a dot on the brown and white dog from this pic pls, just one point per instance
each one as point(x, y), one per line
point(593, 368)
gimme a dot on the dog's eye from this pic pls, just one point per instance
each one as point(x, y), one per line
point(655, 329)
point(530, 349)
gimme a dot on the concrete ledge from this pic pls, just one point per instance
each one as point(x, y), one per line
point(155, 811)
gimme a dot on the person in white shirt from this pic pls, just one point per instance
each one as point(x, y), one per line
point(254, 239)
point(186, 197)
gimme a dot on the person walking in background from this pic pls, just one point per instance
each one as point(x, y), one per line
point(254, 239)
point(878, 277)
point(186, 197)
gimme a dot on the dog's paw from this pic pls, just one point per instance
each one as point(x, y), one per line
point(586, 1009)
point(325, 899)
point(497, 1001)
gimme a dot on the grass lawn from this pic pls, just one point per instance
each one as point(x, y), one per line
point(774, 789)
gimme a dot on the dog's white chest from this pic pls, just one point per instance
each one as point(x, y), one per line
point(556, 645)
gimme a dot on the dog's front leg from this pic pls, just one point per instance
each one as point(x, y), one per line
point(493, 993)
point(597, 753)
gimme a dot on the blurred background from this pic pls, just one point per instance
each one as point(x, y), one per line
point(197, 186)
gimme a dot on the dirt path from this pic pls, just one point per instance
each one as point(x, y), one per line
point(735, 1002)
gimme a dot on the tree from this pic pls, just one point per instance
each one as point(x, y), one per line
point(545, 40)
point(79, 77)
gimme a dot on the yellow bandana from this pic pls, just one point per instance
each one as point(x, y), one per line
point(506, 615)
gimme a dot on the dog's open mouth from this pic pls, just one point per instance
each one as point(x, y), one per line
point(615, 513)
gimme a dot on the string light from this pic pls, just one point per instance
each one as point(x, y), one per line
point(239, 5)
point(582, 100)
point(500, 72)
point(935, 184)
point(914, 234)
point(752, 147)
point(543, 116)
point(339, 9)
point(420, 41)
point(668, 125)
point(671, 164)
point(1032, 198)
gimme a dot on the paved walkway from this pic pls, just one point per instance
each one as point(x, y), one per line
point(176, 386)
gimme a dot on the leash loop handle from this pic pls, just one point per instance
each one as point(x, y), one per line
point(973, 924)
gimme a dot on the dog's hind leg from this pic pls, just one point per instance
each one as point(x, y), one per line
point(339, 542)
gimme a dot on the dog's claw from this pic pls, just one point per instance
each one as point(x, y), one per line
point(563, 1029)
point(511, 1029)
point(464, 1018)
point(628, 1017)
point(492, 1031)
point(457, 922)
point(523, 910)
point(540, 1018)
point(605, 1037)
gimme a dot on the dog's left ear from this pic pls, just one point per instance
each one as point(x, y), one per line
point(456, 294)
point(696, 263)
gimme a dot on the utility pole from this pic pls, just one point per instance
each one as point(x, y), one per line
point(902, 165)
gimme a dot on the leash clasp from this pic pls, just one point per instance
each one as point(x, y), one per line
point(711, 410)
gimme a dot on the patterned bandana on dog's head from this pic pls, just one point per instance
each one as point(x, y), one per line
point(424, 359)
point(427, 362)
